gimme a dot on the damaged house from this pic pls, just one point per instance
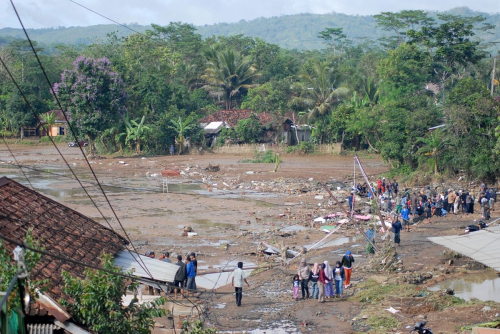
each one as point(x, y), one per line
point(275, 128)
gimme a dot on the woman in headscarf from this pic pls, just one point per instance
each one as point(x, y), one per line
point(304, 273)
point(329, 281)
point(313, 277)
point(347, 262)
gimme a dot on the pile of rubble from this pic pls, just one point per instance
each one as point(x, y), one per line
point(386, 259)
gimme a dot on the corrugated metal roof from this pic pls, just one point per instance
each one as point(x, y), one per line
point(161, 271)
point(42, 328)
point(213, 125)
point(482, 246)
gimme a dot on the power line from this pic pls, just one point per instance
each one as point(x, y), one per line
point(17, 163)
point(107, 18)
point(73, 132)
point(82, 264)
point(53, 143)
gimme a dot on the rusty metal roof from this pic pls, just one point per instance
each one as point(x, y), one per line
point(59, 229)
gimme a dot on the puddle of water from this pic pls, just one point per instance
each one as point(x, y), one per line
point(293, 228)
point(219, 306)
point(236, 194)
point(335, 242)
point(284, 327)
point(484, 286)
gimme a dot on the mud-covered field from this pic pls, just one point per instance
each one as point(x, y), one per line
point(234, 209)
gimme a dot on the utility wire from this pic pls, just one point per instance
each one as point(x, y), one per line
point(107, 18)
point(54, 144)
point(82, 264)
point(73, 132)
point(17, 163)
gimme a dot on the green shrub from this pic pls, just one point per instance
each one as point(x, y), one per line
point(306, 147)
point(268, 157)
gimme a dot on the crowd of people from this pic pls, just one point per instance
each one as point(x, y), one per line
point(185, 277)
point(427, 202)
point(322, 282)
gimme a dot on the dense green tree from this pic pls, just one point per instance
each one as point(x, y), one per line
point(272, 96)
point(93, 95)
point(398, 24)
point(249, 130)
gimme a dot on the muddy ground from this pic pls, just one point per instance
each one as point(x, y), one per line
point(242, 204)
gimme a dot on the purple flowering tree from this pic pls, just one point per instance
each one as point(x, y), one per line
point(93, 95)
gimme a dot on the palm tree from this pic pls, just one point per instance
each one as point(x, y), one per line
point(181, 128)
point(434, 145)
point(371, 90)
point(50, 120)
point(228, 74)
point(317, 91)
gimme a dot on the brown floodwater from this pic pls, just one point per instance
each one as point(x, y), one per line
point(484, 286)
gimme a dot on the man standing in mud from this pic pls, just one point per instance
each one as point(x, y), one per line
point(238, 278)
point(396, 230)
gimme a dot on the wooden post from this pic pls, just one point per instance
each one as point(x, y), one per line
point(3, 315)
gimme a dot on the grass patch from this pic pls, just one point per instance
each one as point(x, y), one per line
point(269, 157)
point(381, 323)
point(491, 324)
point(372, 292)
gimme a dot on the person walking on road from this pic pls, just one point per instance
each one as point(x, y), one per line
point(304, 273)
point(328, 281)
point(239, 277)
point(321, 283)
point(313, 278)
point(370, 234)
point(339, 274)
point(191, 275)
point(180, 276)
point(347, 262)
point(396, 230)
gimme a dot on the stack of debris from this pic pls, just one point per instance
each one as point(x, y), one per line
point(386, 259)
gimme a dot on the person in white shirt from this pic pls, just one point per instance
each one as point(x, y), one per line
point(238, 278)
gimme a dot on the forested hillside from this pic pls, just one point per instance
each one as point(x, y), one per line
point(290, 31)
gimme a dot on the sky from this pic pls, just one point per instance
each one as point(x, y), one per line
point(55, 13)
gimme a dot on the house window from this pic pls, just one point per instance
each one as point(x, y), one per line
point(302, 137)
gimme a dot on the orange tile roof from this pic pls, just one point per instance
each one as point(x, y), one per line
point(59, 229)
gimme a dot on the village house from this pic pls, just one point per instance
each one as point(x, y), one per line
point(58, 128)
point(276, 129)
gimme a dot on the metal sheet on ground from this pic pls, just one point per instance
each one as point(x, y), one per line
point(482, 246)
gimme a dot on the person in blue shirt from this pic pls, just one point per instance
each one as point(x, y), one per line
point(405, 215)
point(351, 201)
point(191, 274)
point(370, 234)
point(396, 230)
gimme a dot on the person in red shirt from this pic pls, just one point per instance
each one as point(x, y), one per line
point(321, 284)
point(379, 186)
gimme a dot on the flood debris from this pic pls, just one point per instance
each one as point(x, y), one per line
point(212, 168)
point(386, 259)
